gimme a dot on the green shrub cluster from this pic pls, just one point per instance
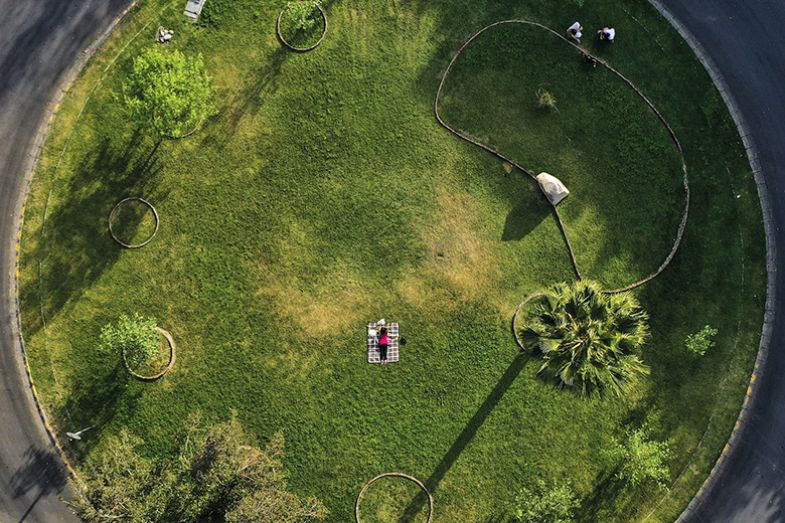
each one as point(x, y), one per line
point(134, 336)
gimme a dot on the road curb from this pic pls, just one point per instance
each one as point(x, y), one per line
point(771, 255)
point(32, 161)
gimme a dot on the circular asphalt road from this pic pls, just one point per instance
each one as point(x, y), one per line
point(41, 40)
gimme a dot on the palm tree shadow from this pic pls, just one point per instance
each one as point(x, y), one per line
point(466, 436)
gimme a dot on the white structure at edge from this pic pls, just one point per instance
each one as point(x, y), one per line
point(553, 188)
point(194, 8)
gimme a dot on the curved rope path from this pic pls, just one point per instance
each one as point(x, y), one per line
point(464, 136)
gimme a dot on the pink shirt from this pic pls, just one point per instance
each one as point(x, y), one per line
point(384, 340)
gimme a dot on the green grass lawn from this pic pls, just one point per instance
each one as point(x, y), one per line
point(324, 194)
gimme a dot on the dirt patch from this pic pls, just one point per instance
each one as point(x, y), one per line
point(458, 255)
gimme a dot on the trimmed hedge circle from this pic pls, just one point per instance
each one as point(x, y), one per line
point(169, 365)
point(287, 44)
point(393, 475)
point(117, 208)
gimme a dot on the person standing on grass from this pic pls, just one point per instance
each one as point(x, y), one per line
point(574, 32)
point(384, 342)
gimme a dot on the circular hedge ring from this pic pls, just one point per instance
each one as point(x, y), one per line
point(169, 365)
point(393, 475)
point(117, 207)
point(322, 13)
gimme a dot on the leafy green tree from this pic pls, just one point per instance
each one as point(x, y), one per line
point(136, 337)
point(589, 340)
point(545, 504)
point(300, 16)
point(700, 342)
point(167, 92)
point(640, 460)
point(216, 477)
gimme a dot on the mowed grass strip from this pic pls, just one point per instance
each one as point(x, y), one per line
point(324, 195)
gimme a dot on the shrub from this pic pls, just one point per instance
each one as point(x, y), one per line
point(135, 336)
point(545, 504)
point(545, 99)
point(301, 16)
point(589, 340)
point(640, 460)
point(700, 342)
point(215, 476)
point(167, 92)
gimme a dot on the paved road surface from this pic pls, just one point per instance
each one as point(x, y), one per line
point(39, 41)
point(745, 41)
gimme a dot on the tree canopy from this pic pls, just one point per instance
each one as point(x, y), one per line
point(168, 92)
point(545, 504)
point(589, 340)
point(216, 476)
point(134, 336)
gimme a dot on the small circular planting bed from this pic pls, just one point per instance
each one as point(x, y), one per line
point(126, 212)
point(393, 475)
point(294, 37)
point(153, 376)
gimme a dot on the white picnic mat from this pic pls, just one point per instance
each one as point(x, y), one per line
point(393, 354)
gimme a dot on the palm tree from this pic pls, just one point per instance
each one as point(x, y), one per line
point(589, 340)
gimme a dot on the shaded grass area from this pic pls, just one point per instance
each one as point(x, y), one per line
point(133, 222)
point(385, 500)
point(324, 195)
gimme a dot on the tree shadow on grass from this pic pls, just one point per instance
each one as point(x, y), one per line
point(264, 80)
point(466, 436)
point(97, 404)
point(73, 247)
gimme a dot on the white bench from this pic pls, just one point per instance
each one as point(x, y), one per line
point(193, 8)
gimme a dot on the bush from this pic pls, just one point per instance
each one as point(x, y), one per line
point(545, 99)
point(700, 342)
point(301, 16)
point(215, 476)
point(136, 337)
point(167, 92)
point(590, 341)
point(639, 460)
point(545, 504)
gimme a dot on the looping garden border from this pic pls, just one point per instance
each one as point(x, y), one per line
point(186, 135)
point(300, 49)
point(393, 475)
point(117, 207)
point(464, 136)
point(169, 365)
point(517, 313)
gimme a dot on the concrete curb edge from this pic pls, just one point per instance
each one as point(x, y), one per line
point(771, 253)
point(32, 161)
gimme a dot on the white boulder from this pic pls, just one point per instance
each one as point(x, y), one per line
point(553, 188)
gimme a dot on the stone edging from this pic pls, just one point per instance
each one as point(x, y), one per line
point(300, 49)
point(35, 151)
point(518, 310)
point(498, 154)
point(169, 365)
point(393, 475)
point(117, 207)
point(771, 253)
